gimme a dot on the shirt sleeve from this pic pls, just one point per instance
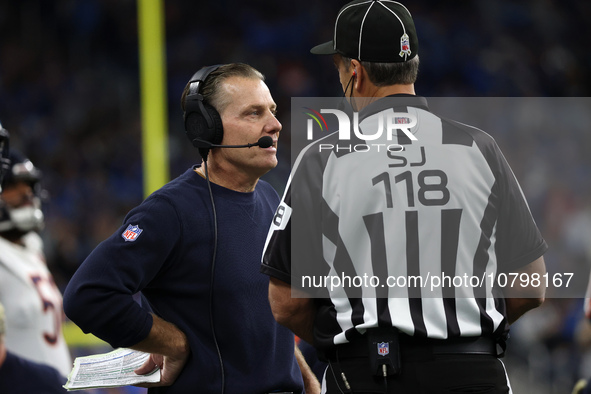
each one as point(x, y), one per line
point(294, 242)
point(99, 297)
point(277, 253)
point(519, 241)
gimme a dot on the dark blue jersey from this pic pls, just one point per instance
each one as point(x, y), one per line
point(164, 249)
point(20, 376)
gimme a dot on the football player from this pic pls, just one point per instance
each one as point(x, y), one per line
point(33, 303)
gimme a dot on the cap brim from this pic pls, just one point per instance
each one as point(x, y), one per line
point(324, 49)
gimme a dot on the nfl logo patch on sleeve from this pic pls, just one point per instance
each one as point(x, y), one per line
point(131, 233)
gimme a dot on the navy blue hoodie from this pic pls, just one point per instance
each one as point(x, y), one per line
point(164, 249)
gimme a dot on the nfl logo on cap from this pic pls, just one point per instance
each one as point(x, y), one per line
point(131, 233)
point(383, 348)
point(404, 46)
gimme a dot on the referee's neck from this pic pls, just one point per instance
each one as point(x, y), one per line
point(371, 93)
point(384, 91)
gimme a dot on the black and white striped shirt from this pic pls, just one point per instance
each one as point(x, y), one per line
point(448, 205)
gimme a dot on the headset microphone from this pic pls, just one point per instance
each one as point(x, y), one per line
point(263, 142)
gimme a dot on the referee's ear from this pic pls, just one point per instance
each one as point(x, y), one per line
point(359, 74)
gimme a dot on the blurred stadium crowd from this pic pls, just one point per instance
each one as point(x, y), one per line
point(69, 95)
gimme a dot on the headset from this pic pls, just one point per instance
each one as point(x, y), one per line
point(203, 123)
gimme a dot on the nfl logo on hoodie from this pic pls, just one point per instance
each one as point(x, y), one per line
point(131, 233)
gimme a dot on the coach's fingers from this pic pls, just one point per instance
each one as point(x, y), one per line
point(153, 362)
point(170, 368)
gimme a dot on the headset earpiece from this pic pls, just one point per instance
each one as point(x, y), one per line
point(354, 72)
point(204, 125)
point(202, 121)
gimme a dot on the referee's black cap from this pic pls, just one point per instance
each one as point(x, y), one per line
point(381, 31)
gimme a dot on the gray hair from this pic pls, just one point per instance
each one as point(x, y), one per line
point(212, 91)
point(386, 74)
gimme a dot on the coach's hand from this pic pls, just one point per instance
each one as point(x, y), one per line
point(169, 351)
point(170, 369)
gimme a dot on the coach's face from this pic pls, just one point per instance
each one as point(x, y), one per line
point(249, 115)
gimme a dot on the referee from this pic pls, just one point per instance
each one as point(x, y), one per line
point(444, 204)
